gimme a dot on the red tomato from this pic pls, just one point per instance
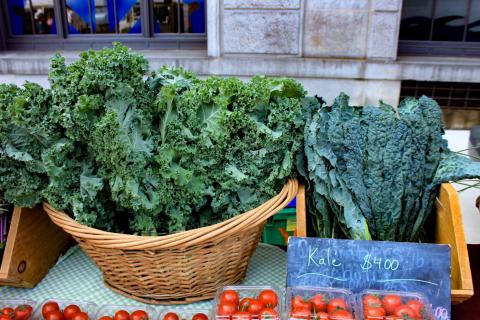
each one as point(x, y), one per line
point(22, 312)
point(269, 298)
point(336, 304)
point(255, 307)
point(225, 309)
point(70, 310)
point(244, 304)
point(302, 313)
point(417, 306)
point(341, 315)
point(80, 316)
point(5, 317)
point(373, 313)
point(319, 303)
point(241, 315)
point(299, 304)
point(404, 311)
point(229, 296)
point(268, 314)
point(200, 316)
point(391, 302)
point(122, 315)
point(138, 315)
point(49, 306)
point(105, 318)
point(8, 311)
point(54, 315)
point(371, 300)
point(322, 316)
point(170, 316)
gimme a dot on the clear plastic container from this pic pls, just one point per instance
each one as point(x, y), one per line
point(13, 303)
point(85, 306)
point(186, 314)
point(418, 300)
point(319, 303)
point(248, 292)
point(109, 310)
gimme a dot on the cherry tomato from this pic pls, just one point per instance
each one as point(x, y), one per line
point(122, 315)
point(391, 302)
point(138, 315)
point(269, 298)
point(371, 300)
point(105, 318)
point(336, 304)
point(170, 316)
point(299, 304)
point(241, 315)
point(200, 316)
point(373, 313)
point(226, 309)
point(22, 312)
point(302, 313)
point(417, 306)
point(8, 311)
point(5, 317)
point(54, 315)
point(319, 303)
point(80, 316)
point(255, 307)
point(404, 311)
point(341, 315)
point(70, 310)
point(229, 296)
point(244, 304)
point(322, 316)
point(268, 314)
point(49, 306)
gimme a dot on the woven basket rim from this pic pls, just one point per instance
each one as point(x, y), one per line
point(222, 229)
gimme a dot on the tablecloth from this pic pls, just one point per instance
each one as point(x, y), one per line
point(75, 277)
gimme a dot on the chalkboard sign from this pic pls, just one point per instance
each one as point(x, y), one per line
point(357, 265)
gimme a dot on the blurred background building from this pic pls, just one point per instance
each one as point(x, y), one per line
point(371, 49)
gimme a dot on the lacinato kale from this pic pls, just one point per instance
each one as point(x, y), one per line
point(374, 172)
point(167, 152)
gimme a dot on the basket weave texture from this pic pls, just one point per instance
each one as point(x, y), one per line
point(177, 268)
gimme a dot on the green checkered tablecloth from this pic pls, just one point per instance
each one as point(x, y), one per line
point(75, 277)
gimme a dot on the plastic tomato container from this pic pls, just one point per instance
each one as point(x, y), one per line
point(319, 303)
point(185, 314)
point(13, 303)
point(85, 306)
point(252, 292)
point(109, 311)
point(389, 303)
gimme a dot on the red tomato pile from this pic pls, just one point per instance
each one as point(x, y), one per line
point(21, 312)
point(249, 308)
point(124, 315)
point(174, 316)
point(51, 311)
point(320, 307)
point(391, 307)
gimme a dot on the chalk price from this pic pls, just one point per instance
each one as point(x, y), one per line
point(373, 262)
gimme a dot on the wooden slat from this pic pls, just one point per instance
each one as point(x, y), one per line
point(33, 245)
point(301, 212)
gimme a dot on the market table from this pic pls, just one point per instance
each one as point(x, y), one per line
point(76, 277)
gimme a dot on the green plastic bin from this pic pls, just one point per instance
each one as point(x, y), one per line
point(285, 219)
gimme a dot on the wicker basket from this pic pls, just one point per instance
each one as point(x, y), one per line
point(177, 268)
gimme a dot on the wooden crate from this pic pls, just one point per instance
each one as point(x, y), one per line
point(448, 230)
point(34, 244)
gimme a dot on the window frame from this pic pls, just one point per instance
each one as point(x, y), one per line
point(440, 48)
point(147, 39)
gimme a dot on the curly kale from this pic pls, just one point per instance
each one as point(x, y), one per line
point(375, 171)
point(168, 152)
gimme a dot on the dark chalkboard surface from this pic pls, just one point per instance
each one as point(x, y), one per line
point(381, 265)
